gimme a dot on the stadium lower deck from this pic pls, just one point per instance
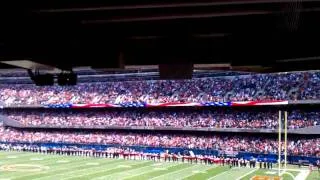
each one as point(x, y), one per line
point(26, 165)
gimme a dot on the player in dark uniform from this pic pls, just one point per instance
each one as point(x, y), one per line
point(231, 162)
point(260, 164)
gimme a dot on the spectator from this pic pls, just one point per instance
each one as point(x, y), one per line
point(220, 118)
point(302, 146)
point(285, 86)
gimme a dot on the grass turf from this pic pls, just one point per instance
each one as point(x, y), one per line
point(272, 173)
point(25, 166)
point(314, 175)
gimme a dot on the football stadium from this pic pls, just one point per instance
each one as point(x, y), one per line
point(76, 132)
point(155, 90)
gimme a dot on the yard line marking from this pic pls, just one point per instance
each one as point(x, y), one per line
point(103, 169)
point(114, 175)
point(45, 174)
point(151, 170)
point(193, 173)
point(124, 166)
point(11, 161)
point(219, 174)
point(12, 152)
point(246, 174)
point(25, 161)
point(92, 163)
point(66, 170)
point(173, 172)
point(196, 167)
point(12, 157)
point(157, 164)
point(62, 161)
point(302, 175)
point(50, 162)
point(17, 157)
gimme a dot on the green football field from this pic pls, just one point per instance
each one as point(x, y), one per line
point(19, 166)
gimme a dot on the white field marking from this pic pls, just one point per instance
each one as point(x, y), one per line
point(93, 164)
point(203, 171)
point(36, 159)
point(16, 167)
point(173, 172)
point(69, 172)
point(53, 161)
point(124, 166)
point(302, 175)
point(219, 174)
point(284, 172)
point(298, 170)
point(16, 154)
point(5, 179)
point(246, 174)
point(12, 152)
point(94, 172)
point(197, 171)
point(12, 157)
point(22, 156)
point(19, 160)
point(49, 162)
point(270, 172)
point(49, 159)
point(130, 171)
point(160, 168)
point(62, 161)
point(121, 175)
point(157, 164)
point(77, 164)
point(149, 171)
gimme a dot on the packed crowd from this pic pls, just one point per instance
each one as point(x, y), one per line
point(306, 147)
point(220, 118)
point(290, 86)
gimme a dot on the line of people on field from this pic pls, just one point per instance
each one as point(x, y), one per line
point(297, 146)
point(131, 154)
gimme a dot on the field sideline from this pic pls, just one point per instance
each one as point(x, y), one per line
point(24, 166)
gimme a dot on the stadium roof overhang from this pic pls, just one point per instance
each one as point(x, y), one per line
point(110, 34)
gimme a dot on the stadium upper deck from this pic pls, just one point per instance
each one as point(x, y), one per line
point(286, 86)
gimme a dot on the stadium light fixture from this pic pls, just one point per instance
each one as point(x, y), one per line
point(28, 64)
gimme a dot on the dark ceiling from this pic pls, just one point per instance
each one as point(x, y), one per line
point(241, 32)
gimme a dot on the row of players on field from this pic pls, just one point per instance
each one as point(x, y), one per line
point(133, 155)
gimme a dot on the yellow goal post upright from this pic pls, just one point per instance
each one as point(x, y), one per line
point(285, 141)
point(279, 143)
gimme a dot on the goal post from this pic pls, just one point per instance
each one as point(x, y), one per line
point(285, 138)
point(279, 143)
point(285, 142)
